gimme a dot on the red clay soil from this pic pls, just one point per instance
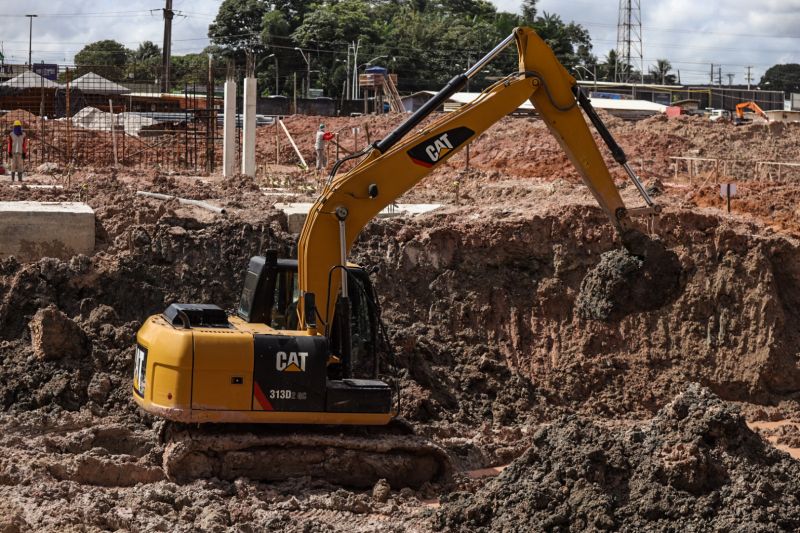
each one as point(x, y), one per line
point(497, 363)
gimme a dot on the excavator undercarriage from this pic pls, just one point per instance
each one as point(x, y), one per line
point(350, 456)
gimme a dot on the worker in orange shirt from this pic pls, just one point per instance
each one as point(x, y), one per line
point(17, 150)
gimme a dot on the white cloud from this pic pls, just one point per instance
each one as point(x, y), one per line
point(56, 39)
point(694, 34)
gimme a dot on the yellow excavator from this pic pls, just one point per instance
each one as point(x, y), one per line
point(303, 347)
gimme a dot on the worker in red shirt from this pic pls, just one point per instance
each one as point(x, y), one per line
point(17, 150)
point(319, 146)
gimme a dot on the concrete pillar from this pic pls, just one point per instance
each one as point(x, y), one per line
point(249, 128)
point(229, 131)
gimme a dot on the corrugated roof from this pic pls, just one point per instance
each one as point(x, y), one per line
point(91, 83)
point(30, 80)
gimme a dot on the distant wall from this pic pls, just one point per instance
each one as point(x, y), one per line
point(311, 106)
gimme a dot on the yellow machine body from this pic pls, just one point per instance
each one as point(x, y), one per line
point(203, 375)
point(192, 373)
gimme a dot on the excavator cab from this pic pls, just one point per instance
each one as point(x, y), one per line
point(270, 296)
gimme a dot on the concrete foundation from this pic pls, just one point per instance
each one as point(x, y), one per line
point(32, 230)
point(229, 131)
point(249, 128)
point(296, 213)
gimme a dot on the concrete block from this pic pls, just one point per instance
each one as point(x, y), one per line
point(297, 212)
point(32, 230)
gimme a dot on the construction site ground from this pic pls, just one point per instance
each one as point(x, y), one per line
point(678, 415)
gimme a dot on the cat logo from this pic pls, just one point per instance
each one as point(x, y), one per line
point(435, 149)
point(439, 148)
point(291, 362)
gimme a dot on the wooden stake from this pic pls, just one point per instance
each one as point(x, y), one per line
point(297, 151)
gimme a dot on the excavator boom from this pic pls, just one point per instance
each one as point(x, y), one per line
point(394, 165)
point(754, 107)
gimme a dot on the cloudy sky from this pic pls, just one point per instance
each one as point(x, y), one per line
point(692, 34)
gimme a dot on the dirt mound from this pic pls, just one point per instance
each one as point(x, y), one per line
point(54, 335)
point(623, 283)
point(501, 293)
point(695, 466)
point(28, 119)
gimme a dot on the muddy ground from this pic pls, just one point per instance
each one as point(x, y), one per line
point(631, 420)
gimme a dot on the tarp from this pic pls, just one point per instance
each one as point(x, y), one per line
point(30, 80)
point(91, 118)
point(598, 103)
point(91, 83)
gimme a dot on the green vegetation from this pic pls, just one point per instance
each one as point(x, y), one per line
point(784, 78)
point(425, 42)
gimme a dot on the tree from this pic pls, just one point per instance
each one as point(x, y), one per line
point(339, 22)
point(469, 8)
point(275, 26)
point(334, 24)
point(784, 78)
point(660, 72)
point(613, 67)
point(528, 12)
point(237, 27)
point(191, 69)
point(146, 50)
point(293, 10)
point(106, 58)
point(144, 63)
point(570, 42)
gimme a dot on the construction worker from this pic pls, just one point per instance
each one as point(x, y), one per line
point(319, 146)
point(17, 150)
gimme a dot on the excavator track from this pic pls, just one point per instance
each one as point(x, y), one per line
point(353, 457)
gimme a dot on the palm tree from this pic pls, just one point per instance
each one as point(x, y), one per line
point(661, 71)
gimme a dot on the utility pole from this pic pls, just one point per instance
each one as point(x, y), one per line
point(307, 59)
point(354, 91)
point(347, 76)
point(30, 40)
point(711, 82)
point(167, 50)
point(277, 74)
point(730, 78)
point(719, 76)
point(749, 77)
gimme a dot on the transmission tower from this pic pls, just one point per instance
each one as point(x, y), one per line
point(629, 42)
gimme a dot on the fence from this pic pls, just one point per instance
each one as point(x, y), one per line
point(88, 120)
point(705, 168)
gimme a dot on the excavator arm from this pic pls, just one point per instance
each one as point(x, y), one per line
point(754, 107)
point(395, 164)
